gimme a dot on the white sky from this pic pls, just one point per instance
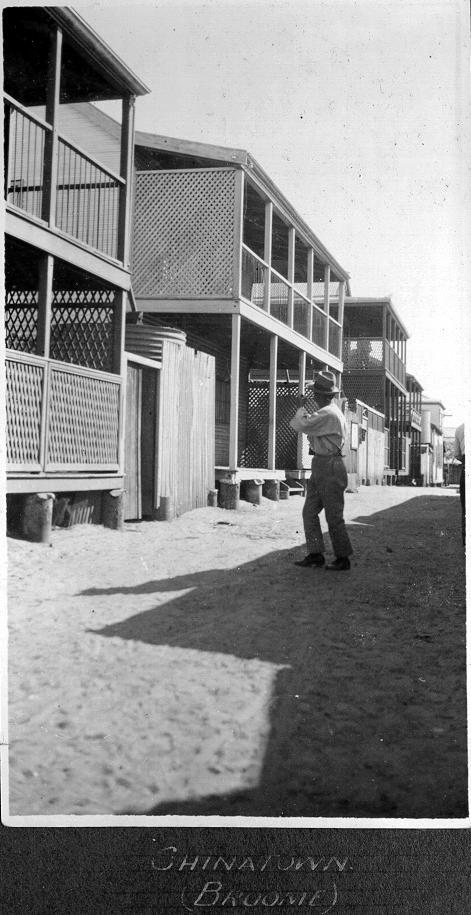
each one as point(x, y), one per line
point(358, 110)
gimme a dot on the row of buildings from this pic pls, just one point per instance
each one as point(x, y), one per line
point(165, 304)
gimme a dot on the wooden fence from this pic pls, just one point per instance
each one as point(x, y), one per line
point(186, 431)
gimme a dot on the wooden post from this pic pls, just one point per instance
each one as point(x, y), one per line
point(291, 255)
point(126, 172)
point(51, 142)
point(120, 366)
point(6, 134)
point(46, 272)
point(310, 288)
point(239, 179)
point(267, 254)
point(385, 334)
point(327, 303)
point(235, 376)
point(272, 403)
point(340, 314)
point(119, 329)
point(301, 388)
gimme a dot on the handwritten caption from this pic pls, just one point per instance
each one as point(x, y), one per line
point(220, 892)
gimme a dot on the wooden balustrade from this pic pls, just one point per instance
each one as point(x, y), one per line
point(61, 417)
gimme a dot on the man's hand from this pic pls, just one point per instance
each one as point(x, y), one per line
point(301, 400)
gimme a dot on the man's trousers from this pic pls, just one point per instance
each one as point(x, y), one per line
point(463, 498)
point(325, 490)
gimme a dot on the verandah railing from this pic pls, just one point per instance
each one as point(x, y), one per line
point(394, 364)
point(60, 417)
point(254, 273)
point(372, 354)
point(87, 195)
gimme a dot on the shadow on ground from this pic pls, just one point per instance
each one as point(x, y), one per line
point(369, 716)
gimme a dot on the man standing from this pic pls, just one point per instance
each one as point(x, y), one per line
point(460, 456)
point(326, 430)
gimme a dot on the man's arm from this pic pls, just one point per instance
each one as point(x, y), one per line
point(310, 422)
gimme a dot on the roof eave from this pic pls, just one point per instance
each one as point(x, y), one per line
point(264, 178)
point(191, 148)
point(84, 35)
point(379, 300)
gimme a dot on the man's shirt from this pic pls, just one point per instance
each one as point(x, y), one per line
point(459, 442)
point(326, 428)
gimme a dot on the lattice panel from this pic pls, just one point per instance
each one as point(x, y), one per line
point(21, 320)
point(362, 353)
point(82, 327)
point(184, 233)
point(24, 385)
point(255, 453)
point(83, 421)
point(367, 388)
point(286, 438)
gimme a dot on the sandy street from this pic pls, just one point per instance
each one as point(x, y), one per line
point(189, 667)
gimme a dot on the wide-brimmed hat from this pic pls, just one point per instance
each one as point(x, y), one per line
point(324, 383)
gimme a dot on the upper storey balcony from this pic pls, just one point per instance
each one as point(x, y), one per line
point(374, 340)
point(213, 233)
point(54, 60)
point(414, 404)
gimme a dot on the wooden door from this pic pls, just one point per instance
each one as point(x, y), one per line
point(150, 379)
point(132, 449)
point(141, 441)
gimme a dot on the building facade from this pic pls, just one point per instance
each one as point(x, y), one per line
point(67, 253)
point(414, 427)
point(220, 253)
point(374, 371)
point(432, 442)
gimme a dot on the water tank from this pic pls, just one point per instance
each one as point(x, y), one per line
point(145, 340)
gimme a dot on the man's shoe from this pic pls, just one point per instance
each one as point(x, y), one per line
point(312, 559)
point(341, 564)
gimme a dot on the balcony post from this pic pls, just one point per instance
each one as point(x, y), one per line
point(301, 388)
point(385, 335)
point(291, 253)
point(51, 143)
point(310, 287)
point(272, 402)
point(126, 172)
point(119, 330)
point(234, 408)
point(327, 304)
point(340, 315)
point(239, 178)
point(6, 153)
point(120, 366)
point(46, 270)
point(267, 254)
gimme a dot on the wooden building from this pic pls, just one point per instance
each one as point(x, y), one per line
point(67, 257)
point(364, 446)
point(220, 253)
point(374, 371)
point(414, 427)
point(432, 443)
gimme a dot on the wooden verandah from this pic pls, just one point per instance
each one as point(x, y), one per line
point(219, 252)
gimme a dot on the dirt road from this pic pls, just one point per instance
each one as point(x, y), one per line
point(190, 668)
